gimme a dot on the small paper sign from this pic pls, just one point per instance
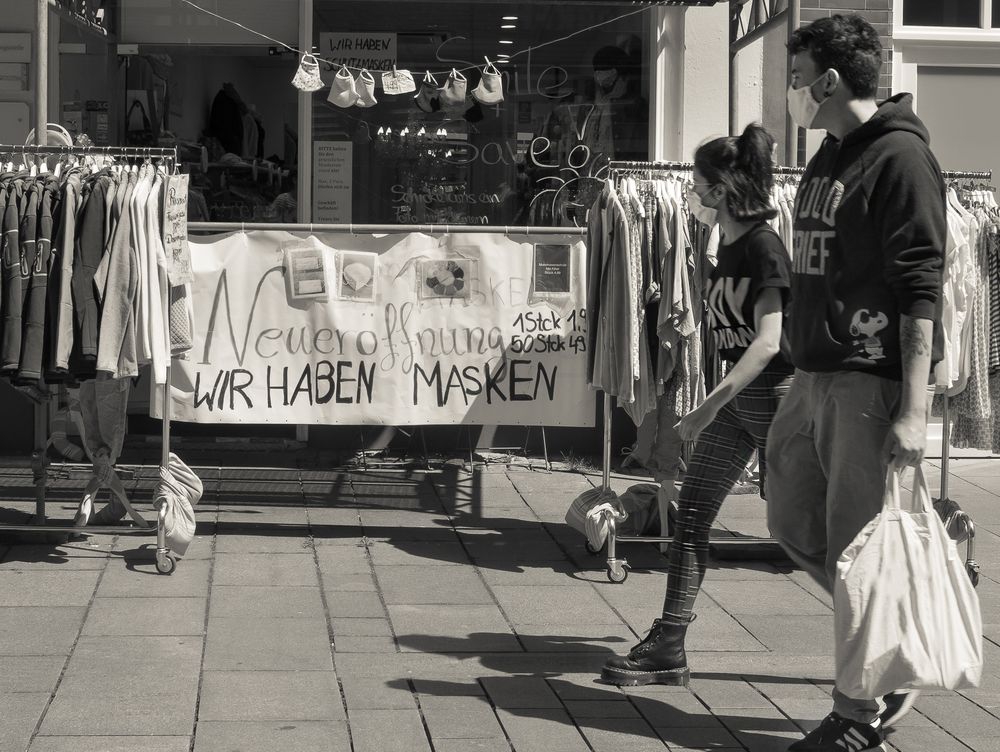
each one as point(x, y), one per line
point(175, 240)
point(552, 269)
point(306, 272)
point(398, 82)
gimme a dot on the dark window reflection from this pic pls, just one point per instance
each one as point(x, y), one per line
point(964, 13)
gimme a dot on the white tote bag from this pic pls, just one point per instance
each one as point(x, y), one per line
point(907, 616)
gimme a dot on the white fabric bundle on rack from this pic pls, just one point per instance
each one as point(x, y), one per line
point(179, 491)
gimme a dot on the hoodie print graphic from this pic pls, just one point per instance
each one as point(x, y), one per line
point(815, 224)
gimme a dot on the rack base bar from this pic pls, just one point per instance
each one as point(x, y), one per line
point(89, 530)
point(721, 542)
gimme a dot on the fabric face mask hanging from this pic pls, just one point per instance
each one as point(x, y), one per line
point(343, 92)
point(490, 88)
point(454, 90)
point(366, 90)
point(427, 98)
point(307, 77)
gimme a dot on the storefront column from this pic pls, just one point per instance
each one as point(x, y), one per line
point(41, 50)
point(304, 187)
point(706, 76)
point(305, 119)
point(666, 73)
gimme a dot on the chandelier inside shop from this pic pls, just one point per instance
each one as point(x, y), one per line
point(412, 144)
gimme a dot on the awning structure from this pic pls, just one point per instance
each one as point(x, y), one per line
point(751, 19)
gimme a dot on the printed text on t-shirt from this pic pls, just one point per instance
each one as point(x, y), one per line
point(815, 211)
point(726, 299)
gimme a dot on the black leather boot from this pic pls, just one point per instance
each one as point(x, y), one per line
point(658, 659)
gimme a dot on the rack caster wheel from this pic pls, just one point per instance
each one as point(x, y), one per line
point(165, 563)
point(591, 550)
point(618, 573)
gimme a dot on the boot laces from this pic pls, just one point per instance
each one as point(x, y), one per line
point(648, 642)
point(653, 636)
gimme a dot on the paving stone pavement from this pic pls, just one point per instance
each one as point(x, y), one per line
point(441, 611)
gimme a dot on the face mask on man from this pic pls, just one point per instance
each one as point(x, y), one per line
point(802, 106)
point(705, 214)
point(605, 78)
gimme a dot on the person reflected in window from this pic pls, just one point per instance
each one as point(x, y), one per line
point(621, 116)
point(285, 206)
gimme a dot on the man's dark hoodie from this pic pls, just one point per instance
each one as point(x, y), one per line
point(870, 233)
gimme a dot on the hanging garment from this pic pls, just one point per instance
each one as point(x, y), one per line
point(90, 242)
point(180, 320)
point(158, 285)
point(611, 302)
point(61, 277)
point(13, 299)
point(958, 290)
point(36, 260)
point(975, 407)
point(117, 286)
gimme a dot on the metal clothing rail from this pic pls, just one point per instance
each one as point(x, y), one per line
point(967, 174)
point(382, 228)
point(683, 167)
point(111, 151)
point(165, 562)
point(778, 170)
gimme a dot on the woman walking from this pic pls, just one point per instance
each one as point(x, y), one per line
point(746, 297)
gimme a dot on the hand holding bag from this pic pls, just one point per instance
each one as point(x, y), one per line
point(906, 614)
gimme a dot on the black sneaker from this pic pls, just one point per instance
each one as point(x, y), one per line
point(838, 734)
point(897, 704)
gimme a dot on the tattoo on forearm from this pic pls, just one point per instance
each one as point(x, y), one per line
point(912, 339)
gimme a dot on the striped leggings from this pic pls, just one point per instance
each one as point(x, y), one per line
point(721, 453)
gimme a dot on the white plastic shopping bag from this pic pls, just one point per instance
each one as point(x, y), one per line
point(907, 616)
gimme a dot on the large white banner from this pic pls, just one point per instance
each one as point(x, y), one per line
point(401, 329)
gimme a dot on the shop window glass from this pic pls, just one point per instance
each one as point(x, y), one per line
point(536, 158)
point(996, 14)
point(962, 13)
point(217, 93)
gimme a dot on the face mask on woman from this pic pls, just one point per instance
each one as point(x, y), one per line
point(706, 214)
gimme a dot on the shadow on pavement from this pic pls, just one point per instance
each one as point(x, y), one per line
point(537, 685)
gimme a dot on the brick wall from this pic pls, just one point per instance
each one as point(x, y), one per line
point(877, 12)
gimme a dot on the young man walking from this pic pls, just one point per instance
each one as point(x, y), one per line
point(869, 230)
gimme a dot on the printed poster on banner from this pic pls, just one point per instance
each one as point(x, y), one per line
point(175, 234)
point(400, 329)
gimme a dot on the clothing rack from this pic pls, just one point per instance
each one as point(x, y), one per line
point(943, 500)
point(618, 568)
point(734, 547)
point(986, 175)
point(165, 563)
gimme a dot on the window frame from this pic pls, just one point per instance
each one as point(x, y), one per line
point(983, 32)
